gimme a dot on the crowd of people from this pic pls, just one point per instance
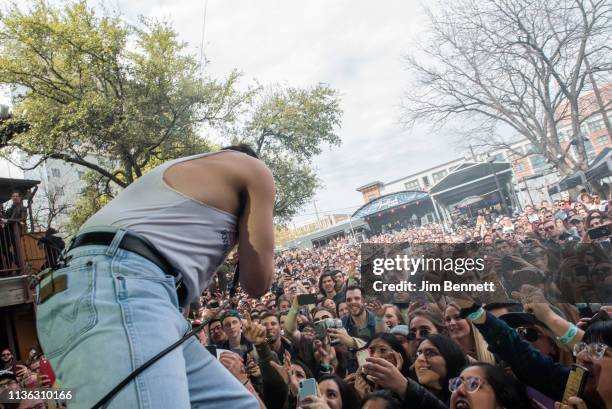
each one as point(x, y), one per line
point(315, 323)
point(448, 353)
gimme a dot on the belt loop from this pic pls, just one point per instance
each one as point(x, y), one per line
point(112, 248)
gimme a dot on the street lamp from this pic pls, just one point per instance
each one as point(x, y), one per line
point(573, 141)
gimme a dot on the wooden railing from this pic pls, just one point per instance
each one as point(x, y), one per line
point(20, 253)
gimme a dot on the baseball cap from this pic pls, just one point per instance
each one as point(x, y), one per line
point(400, 330)
point(575, 218)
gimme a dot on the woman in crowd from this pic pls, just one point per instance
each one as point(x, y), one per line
point(423, 323)
point(334, 393)
point(342, 309)
point(463, 332)
point(439, 359)
point(386, 347)
point(484, 386)
point(387, 316)
point(382, 399)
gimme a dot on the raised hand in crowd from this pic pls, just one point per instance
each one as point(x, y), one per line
point(342, 336)
point(325, 354)
point(254, 332)
point(313, 402)
point(252, 369)
point(286, 372)
point(386, 375)
point(233, 363)
point(572, 403)
point(534, 301)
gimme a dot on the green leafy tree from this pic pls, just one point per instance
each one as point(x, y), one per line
point(105, 95)
point(288, 128)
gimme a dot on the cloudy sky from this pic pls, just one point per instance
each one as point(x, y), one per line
point(354, 45)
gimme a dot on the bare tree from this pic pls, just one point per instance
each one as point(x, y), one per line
point(514, 62)
point(51, 203)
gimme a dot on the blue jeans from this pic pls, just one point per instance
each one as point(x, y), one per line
point(118, 311)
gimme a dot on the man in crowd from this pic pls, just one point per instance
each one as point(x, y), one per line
point(217, 334)
point(154, 250)
point(232, 326)
point(273, 332)
point(360, 323)
point(327, 286)
point(11, 224)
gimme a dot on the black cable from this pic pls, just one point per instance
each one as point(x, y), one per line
point(235, 280)
point(109, 396)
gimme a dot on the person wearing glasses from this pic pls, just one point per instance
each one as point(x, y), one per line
point(484, 386)
point(539, 371)
point(594, 353)
point(438, 360)
point(422, 323)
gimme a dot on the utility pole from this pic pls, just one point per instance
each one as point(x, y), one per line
point(314, 203)
point(502, 198)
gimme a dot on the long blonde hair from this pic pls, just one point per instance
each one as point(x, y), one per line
point(481, 347)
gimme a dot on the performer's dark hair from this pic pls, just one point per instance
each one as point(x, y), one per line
point(242, 147)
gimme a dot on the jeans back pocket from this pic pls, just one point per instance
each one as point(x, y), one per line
point(66, 316)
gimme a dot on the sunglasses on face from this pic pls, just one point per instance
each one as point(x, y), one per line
point(414, 334)
point(596, 350)
point(471, 383)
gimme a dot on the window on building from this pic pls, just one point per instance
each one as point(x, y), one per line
point(590, 150)
point(59, 190)
point(437, 176)
point(603, 140)
point(565, 136)
point(584, 129)
point(55, 172)
point(412, 185)
point(369, 198)
point(498, 157)
point(538, 162)
point(425, 181)
point(519, 167)
point(596, 125)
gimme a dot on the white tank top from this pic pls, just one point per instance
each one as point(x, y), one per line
point(194, 237)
